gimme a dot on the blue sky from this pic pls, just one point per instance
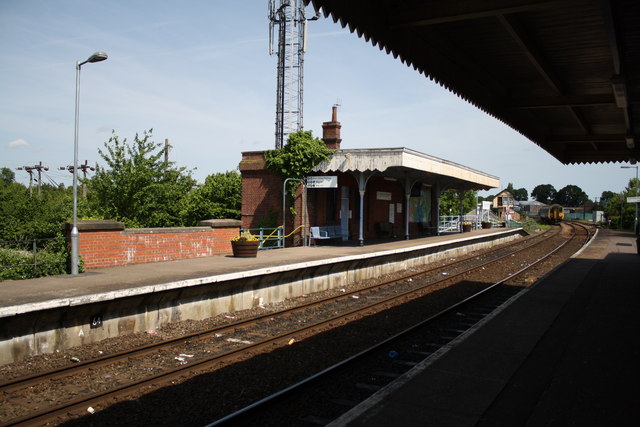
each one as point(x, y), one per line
point(199, 73)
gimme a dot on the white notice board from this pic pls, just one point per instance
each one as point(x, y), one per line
point(322, 182)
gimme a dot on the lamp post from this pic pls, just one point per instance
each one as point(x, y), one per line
point(635, 222)
point(96, 57)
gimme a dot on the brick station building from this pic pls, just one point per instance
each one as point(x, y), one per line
point(386, 192)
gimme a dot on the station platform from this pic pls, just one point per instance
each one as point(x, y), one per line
point(566, 352)
point(43, 315)
point(117, 282)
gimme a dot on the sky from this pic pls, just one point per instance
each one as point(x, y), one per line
point(199, 73)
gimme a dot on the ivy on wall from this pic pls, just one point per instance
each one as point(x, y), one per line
point(298, 156)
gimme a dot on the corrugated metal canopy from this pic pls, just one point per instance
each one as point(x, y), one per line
point(403, 163)
point(565, 74)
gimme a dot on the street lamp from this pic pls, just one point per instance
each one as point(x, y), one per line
point(635, 222)
point(96, 57)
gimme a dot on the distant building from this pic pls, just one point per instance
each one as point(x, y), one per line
point(506, 205)
point(530, 207)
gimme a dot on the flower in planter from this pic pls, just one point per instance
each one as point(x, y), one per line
point(245, 236)
point(466, 223)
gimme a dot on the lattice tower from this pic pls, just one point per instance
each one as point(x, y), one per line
point(289, 44)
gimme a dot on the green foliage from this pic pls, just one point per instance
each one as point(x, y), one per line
point(36, 217)
point(137, 186)
point(518, 193)
point(299, 155)
point(7, 176)
point(219, 197)
point(571, 195)
point(621, 213)
point(450, 202)
point(18, 262)
point(544, 193)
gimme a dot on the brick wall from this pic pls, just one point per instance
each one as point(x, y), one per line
point(109, 244)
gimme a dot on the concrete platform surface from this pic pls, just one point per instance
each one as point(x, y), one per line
point(566, 352)
point(17, 297)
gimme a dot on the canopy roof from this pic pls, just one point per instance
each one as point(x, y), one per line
point(403, 163)
point(565, 74)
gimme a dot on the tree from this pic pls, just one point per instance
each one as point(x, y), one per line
point(521, 194)
point(606, 196)
point(137, 186)
point(450, 202)
point(7, 176)
point(299, 155)
point(544, 193)
point(219, 197)
point(571, 195)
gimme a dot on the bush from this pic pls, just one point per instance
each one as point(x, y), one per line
point(18, 264)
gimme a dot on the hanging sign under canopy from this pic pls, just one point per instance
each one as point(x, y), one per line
point(322, 182)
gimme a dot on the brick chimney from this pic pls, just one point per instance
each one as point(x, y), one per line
point(331, 131)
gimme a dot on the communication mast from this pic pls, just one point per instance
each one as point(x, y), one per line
point(289, 44)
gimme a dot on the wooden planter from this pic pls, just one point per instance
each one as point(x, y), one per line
point(486, 224)
point(245, 249)
point(466, 228)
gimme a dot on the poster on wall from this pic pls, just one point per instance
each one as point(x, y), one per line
point(420, 206)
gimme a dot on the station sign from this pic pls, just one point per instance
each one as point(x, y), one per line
point(322, 182)
point(635, 199)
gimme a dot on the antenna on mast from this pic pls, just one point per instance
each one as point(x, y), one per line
point(289, 45)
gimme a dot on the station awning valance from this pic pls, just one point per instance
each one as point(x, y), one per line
point(402, 163)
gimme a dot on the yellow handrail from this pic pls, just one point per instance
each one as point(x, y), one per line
point(296, 229)
point(276, 230)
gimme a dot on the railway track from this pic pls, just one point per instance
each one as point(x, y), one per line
point(342, 386)
point(234, 341)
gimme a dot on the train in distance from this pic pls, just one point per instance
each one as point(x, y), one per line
point(552, 214)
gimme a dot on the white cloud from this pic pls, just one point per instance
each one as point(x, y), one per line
point(18, 143)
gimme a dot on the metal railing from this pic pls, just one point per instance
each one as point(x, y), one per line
point(270, 238)
point(25, 259)
point(452, 223)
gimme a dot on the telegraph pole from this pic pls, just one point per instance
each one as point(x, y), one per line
point(29, 169)
point(85, 168)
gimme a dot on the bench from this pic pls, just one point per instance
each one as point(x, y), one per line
point(326, 232)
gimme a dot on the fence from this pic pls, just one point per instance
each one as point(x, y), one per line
point(24, 259)
point(451, 223)
point(270, 238)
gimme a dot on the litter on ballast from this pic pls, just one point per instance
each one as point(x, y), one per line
point(355, 296)
point(75, 359)
point(291, 341)
point(91, 410)
point(152, 332)
point(393, 354)
point(185, 355)
point(236, 340)
point(182, 360)
point(343, 290)
point(444, 273)
point(229, 317)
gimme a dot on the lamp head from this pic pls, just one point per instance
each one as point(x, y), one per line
point(97, 57)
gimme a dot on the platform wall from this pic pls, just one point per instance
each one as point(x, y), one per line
point(49, 330)
point(108, 244)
